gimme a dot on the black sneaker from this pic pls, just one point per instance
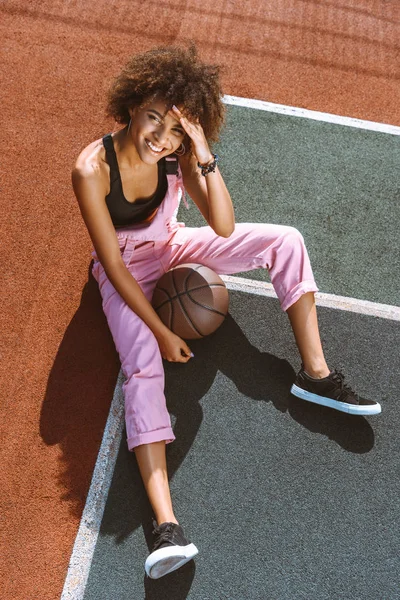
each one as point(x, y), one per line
point(171, 550)
point(333, 392)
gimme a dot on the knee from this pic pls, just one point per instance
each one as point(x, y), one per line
point(292, 234)
point(292, 239)
point(289, 247)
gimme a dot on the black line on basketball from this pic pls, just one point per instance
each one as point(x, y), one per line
point(209, 308)
point(200, 287)
point(183, 308)
point(186, 279)
point(164, 301)
point(176, 292)
point(171, 317)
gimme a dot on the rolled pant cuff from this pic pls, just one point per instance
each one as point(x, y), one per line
point(301, 288)
point(165, 434)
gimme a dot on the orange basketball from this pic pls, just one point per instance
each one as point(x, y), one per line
point(191, 300)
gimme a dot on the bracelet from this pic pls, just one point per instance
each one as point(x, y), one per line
point(209, 167)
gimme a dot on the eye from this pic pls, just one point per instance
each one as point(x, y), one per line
point(178, 131)
point(154, 118)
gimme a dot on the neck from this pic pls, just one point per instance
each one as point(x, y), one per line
point(126, 150)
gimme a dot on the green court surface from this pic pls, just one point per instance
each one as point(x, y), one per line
point(285, 500)
point(338, 185)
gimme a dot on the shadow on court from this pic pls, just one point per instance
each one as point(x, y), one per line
point(79, 390)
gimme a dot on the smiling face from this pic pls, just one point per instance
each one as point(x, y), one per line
point(155, 132)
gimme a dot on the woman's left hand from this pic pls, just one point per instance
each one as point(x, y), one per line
point(195, 131)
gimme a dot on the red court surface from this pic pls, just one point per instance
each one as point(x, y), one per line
point(59, 367)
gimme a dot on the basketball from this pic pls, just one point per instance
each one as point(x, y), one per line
point(191, 300)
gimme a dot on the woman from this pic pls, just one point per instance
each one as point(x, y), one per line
point(128, 187)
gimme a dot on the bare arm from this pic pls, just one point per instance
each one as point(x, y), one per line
point(90, 190)
point(209, 193)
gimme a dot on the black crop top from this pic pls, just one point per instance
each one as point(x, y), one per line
point(122, 211)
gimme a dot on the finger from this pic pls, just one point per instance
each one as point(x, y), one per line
point(184, 120)
point(187, 125)
point(175, 115)
point(179, 359)
point(187, 352)
point(176, 111)
point(181, 118)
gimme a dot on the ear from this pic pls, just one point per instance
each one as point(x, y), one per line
point(133, 111)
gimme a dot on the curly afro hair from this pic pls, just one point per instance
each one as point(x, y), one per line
point(175, 75)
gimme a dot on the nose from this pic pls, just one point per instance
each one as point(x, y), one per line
point(161, 135)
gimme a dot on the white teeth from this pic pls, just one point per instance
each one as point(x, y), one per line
point(154, 148)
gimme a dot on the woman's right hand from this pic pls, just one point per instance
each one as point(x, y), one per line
point(173, 348)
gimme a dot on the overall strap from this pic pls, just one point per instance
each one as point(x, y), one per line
point(172, 171)
point(111, 157)
point(171, 165)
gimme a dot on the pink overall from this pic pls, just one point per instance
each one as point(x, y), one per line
point(148, 251)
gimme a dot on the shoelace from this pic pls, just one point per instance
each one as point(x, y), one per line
point(163, 535)
point(345, 389)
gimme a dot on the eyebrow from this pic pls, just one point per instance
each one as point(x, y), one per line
point(163, 117)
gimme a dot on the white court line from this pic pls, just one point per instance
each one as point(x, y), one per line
point(363, 307)
point(85, 542)
point(293, 111)
point(88, 532)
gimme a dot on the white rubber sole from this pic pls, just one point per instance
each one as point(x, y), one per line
point(351, 409)
point(168, 559)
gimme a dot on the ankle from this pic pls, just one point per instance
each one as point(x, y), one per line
point(166, 519)
point(316, 371)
